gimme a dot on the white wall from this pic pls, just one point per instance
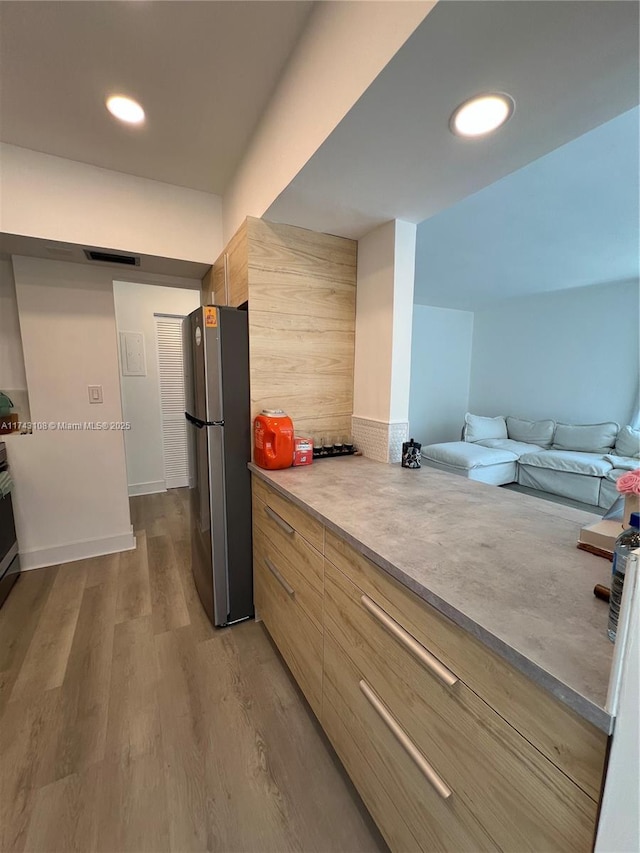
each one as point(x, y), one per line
point(58, 199)
point(571, 355)
point(440, 373)
point(135, 306)
point(404, 268)
point(374, 324)
point(384, 306)
point(71, 487)
point(341, 51)
point(12, 374)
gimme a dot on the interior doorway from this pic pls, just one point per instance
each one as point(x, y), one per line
point(148, 320)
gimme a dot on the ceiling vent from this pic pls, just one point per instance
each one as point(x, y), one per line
point(112, 258)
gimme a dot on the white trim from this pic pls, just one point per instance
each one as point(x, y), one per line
point(147, 488)
point(41, 557)
point(376, 421)
point(177, 482)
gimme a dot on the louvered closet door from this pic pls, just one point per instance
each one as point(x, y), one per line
point(174, 425)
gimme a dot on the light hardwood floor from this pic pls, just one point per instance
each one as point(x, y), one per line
point(127, 723)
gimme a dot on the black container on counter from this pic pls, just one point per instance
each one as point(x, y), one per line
point(411, 454)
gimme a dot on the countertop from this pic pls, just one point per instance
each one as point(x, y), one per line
point(502, 565)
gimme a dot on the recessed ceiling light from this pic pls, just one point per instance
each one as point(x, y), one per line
point(481, 114)
point(125, 109)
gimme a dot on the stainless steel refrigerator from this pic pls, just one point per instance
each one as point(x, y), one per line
point(216, 347)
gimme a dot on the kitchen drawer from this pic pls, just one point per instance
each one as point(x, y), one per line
point(499, 780)
point(409, 812)
point(298, 562)
point(294, 633)
point(307, 526)
point(567, 740)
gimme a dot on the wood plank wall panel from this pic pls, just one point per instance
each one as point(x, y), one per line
point(302, 301)
point(237, 267)
point(206, 289)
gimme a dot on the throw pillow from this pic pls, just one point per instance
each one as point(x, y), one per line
point(628, 442)
point(477, 427)
point(588, 438)
point(531, 432)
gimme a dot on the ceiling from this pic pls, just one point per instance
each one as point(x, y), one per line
point(570, 66)
point(203, 71)
point(569, 219)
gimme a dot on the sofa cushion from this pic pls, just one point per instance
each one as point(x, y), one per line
point(621, 466)
point(539, 433)
point(517, 447)
point(589, 438)
point(570, 461)
point(628, 442)
point(462, 454)
point(477, 428)
point(625, 463)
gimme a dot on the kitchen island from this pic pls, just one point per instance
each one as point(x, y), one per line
point(384, 586)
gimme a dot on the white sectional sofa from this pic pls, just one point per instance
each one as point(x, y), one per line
point(579, 462)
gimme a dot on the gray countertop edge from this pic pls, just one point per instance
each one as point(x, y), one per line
point(584, 707)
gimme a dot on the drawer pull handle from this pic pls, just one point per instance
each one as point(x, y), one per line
point(410, 643)
point(288, 589)
point(405, 742)
point(279, 521)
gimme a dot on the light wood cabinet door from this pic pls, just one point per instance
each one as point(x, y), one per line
point(567, 740)
point(288, 573)
point(218, 282)
point(508, 796)
point(408, 810)
point(308, 527)
point(298, 562)
point(297, 637)
point(237, 268)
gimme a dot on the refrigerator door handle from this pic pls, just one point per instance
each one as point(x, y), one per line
point(199, 423)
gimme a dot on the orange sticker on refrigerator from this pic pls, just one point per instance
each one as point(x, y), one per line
point(210, 317)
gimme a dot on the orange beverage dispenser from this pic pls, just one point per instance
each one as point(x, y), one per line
point(273, 439)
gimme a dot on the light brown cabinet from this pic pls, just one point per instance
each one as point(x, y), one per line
point(300, 287)
point(450, 748)
point(288, 581)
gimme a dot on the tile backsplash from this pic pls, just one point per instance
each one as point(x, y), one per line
point(379, 440)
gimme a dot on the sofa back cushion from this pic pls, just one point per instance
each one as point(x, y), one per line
point(477, 428)
point(628, 442)
point(531, 432)
point(589, 438)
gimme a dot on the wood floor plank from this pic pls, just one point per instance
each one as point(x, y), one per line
point(134, 590)
point(247, 810)
point(331, 816)
point(182, 716)
point(46, 659)
point(22, 611)
point(132, 815)
point(78, 740)
point(98, 569)
point(63, 818)
point(169, 609)
point(25, 730)
point(133, 724)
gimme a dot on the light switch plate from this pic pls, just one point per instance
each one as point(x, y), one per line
point(95, 393)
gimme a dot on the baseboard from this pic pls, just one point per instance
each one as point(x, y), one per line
point(177, 483)
point(152, 488)
point(41, 557)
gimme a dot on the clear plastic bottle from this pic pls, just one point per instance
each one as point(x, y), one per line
point(627, 542)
